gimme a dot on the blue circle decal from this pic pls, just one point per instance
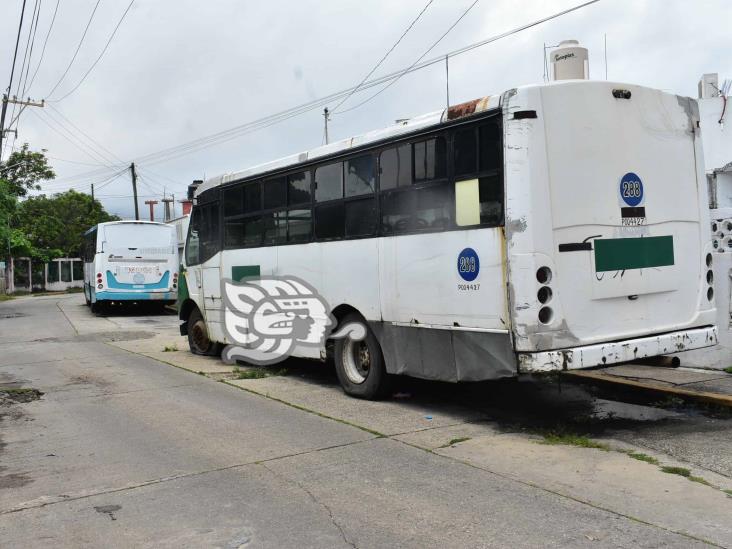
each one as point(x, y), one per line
point(468, 264)
point(631, 189)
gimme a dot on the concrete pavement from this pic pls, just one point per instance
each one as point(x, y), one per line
point(123, 450)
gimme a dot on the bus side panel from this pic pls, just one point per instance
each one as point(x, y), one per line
point(436, 322)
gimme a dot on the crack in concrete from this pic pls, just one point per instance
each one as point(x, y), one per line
point(53, 500)
point(316, 501)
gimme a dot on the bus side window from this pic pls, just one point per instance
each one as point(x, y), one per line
point(193, 241)
point(329, 182)
point(395, 167)
point(360, 177)
point(430, 159)
point(209, 231)
point(479, 201)
point(465, 148)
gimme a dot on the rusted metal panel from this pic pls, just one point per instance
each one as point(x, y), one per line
point(613, 353)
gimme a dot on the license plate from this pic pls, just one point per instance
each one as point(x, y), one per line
point(144, 269)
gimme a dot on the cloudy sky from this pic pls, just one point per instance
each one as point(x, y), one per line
point(179, 70)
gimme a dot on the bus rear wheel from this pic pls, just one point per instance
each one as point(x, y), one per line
point(360, 363)
point(198, 340)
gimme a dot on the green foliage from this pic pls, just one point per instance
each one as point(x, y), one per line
point(55, 225)
point(643, 457)
point(573, 440)
point(728, 370)
point(24, 170)
point(673, 470)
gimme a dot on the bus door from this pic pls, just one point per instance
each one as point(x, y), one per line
point(203, 271)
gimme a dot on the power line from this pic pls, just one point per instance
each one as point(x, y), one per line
point(45, 42)
point(27, 58)
point(12, 72)
point(236, 131)
point(78, 139)
point(424, 9)
point(69, 139)
point(73, 161)
point(17, 42)
point(89, 137)
point(39, 5)
point(395, 80)
point(98, 58)
point(77, 50)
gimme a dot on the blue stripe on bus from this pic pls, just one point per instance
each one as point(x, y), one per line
point(114, 285)
point(135, 296)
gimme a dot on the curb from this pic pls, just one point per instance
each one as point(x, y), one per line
point(719, 399)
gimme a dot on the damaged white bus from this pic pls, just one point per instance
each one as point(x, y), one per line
point(552, 227)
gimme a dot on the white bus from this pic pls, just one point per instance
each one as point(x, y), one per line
point(552, 227)
point(130, 261)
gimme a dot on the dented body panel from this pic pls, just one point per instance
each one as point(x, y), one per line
point(603, 354)
point(565, 210)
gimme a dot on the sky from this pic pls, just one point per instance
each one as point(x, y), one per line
point(179, 70)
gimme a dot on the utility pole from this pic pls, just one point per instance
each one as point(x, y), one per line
point(166, 204)
point(326, 115)
point(134, 191)
point(447, 80)
point(15, 101)
point(151, 203)
point(92, 186)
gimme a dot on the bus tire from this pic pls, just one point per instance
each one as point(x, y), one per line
point(87, 298)
point(360, 365)
point(198, 340)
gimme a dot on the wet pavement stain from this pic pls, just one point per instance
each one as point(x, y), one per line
point(109, 510)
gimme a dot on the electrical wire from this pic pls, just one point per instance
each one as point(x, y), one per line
point(39, 3)
point(79, 140)
point(98, 58)
point(45, 42)
point(395, 80)
point(69, 139)
point(73, 58)
point(414, 21)
point(20, 78)
point(236, 131)
point(17, 42)
point(109, 154)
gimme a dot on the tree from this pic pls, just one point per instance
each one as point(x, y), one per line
point(55, 225)
point(12, 239)
point(24, 169)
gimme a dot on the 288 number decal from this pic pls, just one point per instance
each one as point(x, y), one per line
point(631, 189)
point(467, 265)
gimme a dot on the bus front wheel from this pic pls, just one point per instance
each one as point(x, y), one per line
point(360, 363)
point(198, 340)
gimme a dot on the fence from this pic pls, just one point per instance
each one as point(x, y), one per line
point(23, 274)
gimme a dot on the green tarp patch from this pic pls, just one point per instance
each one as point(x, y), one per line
point(619, 254)
point(240, 272)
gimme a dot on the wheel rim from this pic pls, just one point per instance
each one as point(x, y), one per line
point(356, 361)
point(199, 336)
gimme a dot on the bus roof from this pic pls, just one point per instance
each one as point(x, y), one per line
point(454, 112)
point(125, 221)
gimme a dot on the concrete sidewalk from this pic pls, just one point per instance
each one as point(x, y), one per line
point(704, 385)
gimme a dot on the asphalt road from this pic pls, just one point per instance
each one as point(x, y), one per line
point(123, 450)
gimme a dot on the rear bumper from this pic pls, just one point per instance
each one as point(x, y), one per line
point(620, 351)
point(135, 296)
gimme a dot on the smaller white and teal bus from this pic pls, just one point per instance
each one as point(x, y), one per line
point(130, 261)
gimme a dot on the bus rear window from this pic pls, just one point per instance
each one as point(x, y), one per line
point(138, 235)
